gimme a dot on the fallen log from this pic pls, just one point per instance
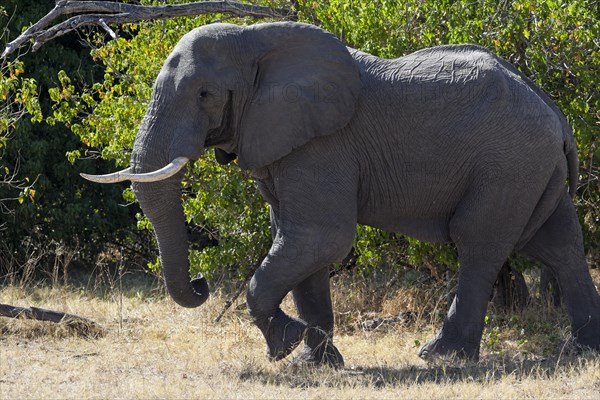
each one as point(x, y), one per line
point(83, 326)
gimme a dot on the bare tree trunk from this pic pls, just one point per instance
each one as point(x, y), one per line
point(103, 13)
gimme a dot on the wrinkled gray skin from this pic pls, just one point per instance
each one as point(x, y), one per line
point(449, 144)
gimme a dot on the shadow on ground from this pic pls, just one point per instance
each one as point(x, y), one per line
point(385, 376)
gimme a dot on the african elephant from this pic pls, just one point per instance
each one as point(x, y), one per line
point(448, 144)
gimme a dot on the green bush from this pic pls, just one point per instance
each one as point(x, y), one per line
point(44, 203)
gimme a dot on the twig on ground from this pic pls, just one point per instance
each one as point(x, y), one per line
point(239, 290)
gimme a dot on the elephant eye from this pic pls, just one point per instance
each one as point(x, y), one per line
point(203, 94)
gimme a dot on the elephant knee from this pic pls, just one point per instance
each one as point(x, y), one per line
point(288, 263)
point(334, 248)
point(264, 294)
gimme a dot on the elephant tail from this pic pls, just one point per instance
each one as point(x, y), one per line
point(573, 165)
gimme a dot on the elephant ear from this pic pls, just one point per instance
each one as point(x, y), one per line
point(305, 85)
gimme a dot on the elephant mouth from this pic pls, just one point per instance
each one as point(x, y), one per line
point(225, 131)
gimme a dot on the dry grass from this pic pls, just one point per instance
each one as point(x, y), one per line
point(154, 349)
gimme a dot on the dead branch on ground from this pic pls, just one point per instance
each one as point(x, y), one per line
point(83, 326)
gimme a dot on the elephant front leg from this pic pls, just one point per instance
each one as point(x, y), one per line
point(295, 261)
point(265, 293)
point(313, 301)
point(313, 221)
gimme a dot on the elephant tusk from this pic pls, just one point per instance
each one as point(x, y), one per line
point(165, 172)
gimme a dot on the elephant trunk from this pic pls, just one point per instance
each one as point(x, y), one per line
point(161, 203)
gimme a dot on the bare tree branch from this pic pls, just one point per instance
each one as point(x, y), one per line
point(103, 13)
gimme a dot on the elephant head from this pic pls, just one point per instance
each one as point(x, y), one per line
point(257, 92)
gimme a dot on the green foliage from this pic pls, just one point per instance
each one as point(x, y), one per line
point(19, 98)
point(224, 200)
point(43, 198)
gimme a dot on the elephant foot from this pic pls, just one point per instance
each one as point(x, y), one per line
point(588, 336)
point(283, 334)
point(439, 348)
point(327, 355)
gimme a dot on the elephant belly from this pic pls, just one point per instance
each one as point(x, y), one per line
point(432, 229)
point(418, 205)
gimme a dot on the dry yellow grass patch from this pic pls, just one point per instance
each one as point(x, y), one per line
point(154, 349)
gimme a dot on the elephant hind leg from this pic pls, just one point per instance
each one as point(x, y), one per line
point(461, 332)
point(558, 244)
point(484, 241)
